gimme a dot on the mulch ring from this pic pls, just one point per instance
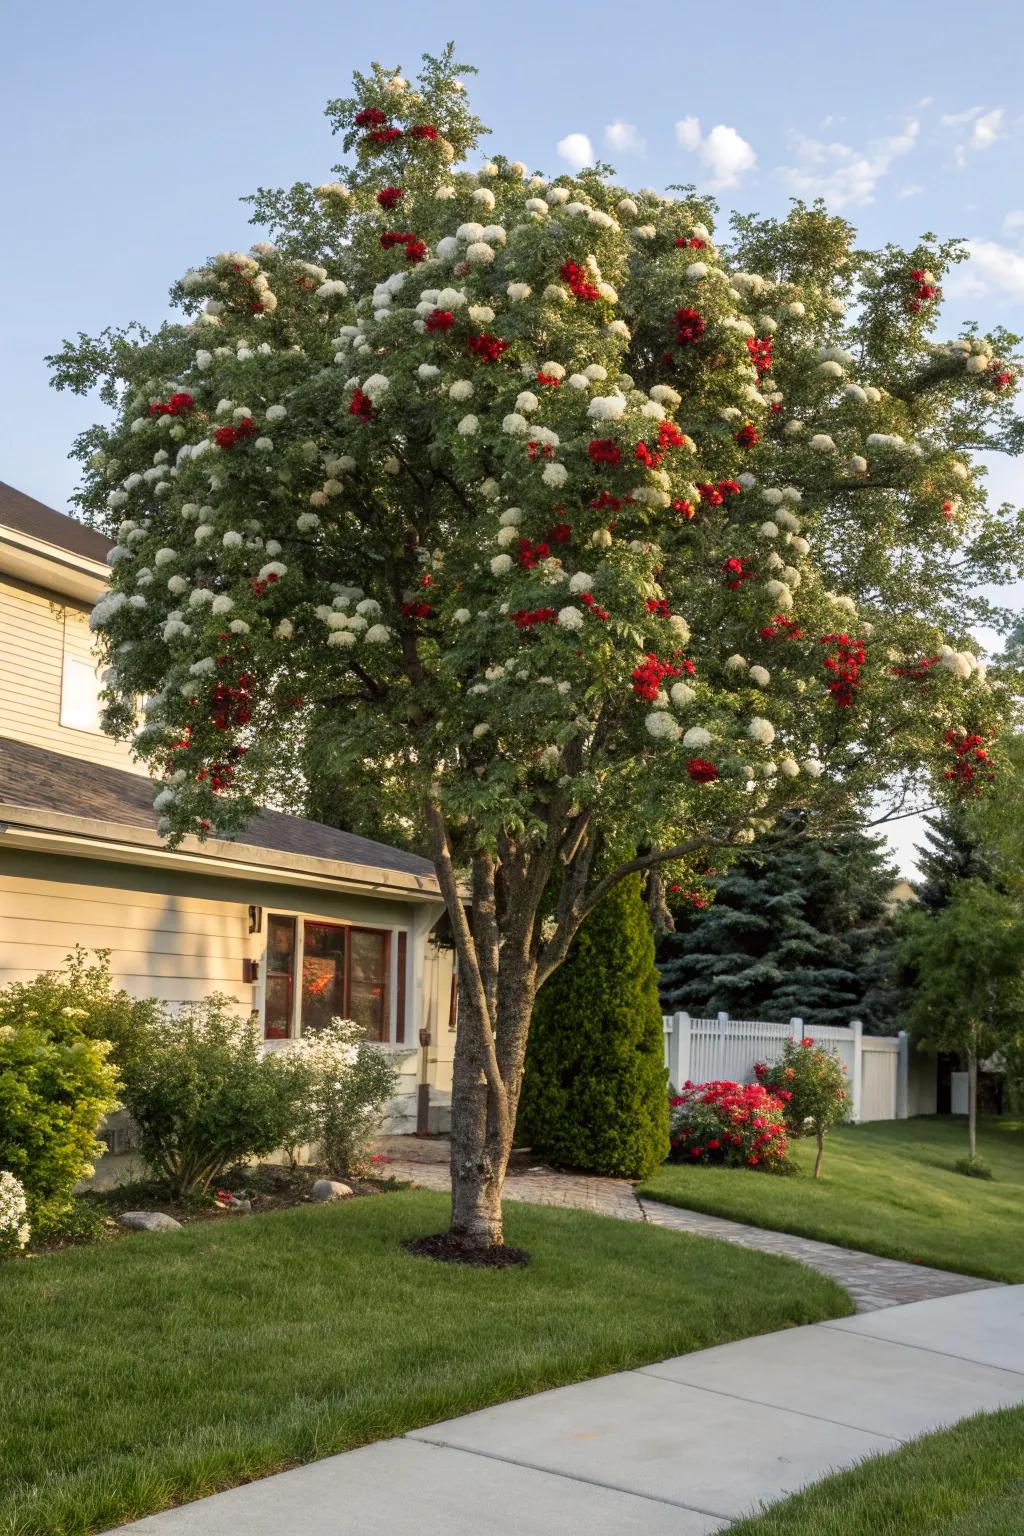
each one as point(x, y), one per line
point(445, 1249)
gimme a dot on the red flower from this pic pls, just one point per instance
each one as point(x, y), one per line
point(576, 279)
point(549, 379)
point(389, 197)
point(370, 117)
point(701, 770)
point(559, 533)
point(384, 135)
point(224, 437)
point(525, 618)
point(603, 450)
point(529, 555)
point(649, 675)
point(424, 131)
point(439, 320)
point(747, 435)
point(416, 610)
point(690, 327)
point(844, 663)
point(684, 508)
point(361, 405)
point(736, 573)
point(760, 350)
point(487, 347)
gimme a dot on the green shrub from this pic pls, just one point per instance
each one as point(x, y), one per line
point(81, 999)
point(349, 1084)
point(973, 1168)
point(594, 1086)
point(734, 1125)
point(56, 1085)
point(204, 1095)
point(811, 1082)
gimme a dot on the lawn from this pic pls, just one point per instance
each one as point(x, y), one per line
point(142, 1373)
point(888, 1188)
point(964, 1481)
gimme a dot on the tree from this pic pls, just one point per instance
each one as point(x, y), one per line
point(952, 851)
point(796, 928)
point(594, 1086)
point(554, 526)
point(969, 980)
point(811, 1082)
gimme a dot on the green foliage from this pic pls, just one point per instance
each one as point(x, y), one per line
point(348, 1084)
point(594, 1085)
point(952, 851)
point(204, 1095)
point(973, 1167)
point(811, 1083)
point(796, 929)
point(56, 1085)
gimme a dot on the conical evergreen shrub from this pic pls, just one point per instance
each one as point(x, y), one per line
point(595, 1088)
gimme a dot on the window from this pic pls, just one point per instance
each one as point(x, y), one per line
point(343, 971)
point(280, 988)
point(79, 695)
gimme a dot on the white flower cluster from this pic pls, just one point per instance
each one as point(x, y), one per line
point(14, 1227)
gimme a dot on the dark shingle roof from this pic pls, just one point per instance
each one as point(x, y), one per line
point(38, 779)
point(27, 515)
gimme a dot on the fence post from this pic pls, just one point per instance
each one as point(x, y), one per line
point(796, 1029)
point(723, 1040)
point(902, 1075)
point(679, 1066)
point(857, 1085)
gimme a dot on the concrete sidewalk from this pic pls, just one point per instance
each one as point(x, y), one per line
point(681, 1448)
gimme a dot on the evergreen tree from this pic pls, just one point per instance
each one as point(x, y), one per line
point(594, 1089)
point(796, 929)
point(952, 852)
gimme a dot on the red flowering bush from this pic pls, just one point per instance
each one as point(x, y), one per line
point(740, 1125)
point(810, 1080)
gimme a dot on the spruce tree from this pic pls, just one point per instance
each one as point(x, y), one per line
point(796, 929)
point(952, 852)
point(594, 1089)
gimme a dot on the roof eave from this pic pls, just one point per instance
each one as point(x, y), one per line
point(42, 564)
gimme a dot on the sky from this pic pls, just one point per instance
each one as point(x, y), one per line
point(131, 133)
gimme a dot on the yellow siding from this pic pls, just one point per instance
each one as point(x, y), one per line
point(34, 630)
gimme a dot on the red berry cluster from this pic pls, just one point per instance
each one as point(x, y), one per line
point(604, 450)
point(415, 248)
point(690, 327)
point(715, 495)
point(701, 770)
point(227, 437)
point(533, 448)
point(390, 197)
point(220, 774)
point(229, 706)
point(417, 610)
point(530, 555)
point(650, 674)
point(782, 627)
point(760, 350)
point(658, 606)
point(916, 670)
point(360, 405)
point(747, 435)
point(177, 405)
point(526, 618)
point(576, 280)
point(488, 348)
point(844, 663)
point(559, 533)
point(693, 244)
point(736, 572)
point(971, 761)
point(590, 601)
point(924, 292)
point(439, 320)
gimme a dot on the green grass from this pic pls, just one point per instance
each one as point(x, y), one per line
point(888, 1188)
point(150, 1371)
point(964, 1481)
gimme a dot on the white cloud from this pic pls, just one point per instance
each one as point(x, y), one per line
point(985, 124)
point(1014, 222)
point(688, 132)
point(576, 150)
point(992, 268)
point(725, 154)
point(843, 176)
point(624, 138)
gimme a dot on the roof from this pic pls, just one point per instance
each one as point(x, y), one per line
point(114, 803)
point(27, 515)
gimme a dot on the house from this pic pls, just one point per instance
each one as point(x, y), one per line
point(294, 920)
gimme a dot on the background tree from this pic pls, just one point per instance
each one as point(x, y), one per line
point(796, 929)
point(584, 532)
point(953, 850)
point(967, 960)
point(595, 1087)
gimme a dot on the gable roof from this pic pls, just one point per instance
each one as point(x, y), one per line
point(39, 787)
point(26, 515)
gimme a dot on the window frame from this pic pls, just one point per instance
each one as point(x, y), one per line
point(398, 986)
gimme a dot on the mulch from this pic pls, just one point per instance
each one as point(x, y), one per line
point(445, 1249)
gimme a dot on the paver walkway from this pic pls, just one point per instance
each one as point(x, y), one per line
point(873, 1282)
point(680, 1448)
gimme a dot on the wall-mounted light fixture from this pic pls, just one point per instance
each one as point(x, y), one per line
point(250, 970)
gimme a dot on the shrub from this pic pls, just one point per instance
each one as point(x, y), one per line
point(733, 1124)
point(594, 1082)
point(14, 1227)
point(349, 1083)
point(81, 998)
point(973, 1167)
point(56, 1085)
point(811, 1082)
point(204, 1095)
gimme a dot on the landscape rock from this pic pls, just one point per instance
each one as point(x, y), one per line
point(330, 1189)
point(148, 1221)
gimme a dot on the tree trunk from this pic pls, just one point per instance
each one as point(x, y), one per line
point(972, 1103)
point(820, 1133)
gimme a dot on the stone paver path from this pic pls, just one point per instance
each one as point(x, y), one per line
point(873, 1282)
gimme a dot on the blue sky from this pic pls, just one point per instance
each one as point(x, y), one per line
point(131, 132)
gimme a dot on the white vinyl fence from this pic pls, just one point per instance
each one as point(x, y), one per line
point(726, 1050)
